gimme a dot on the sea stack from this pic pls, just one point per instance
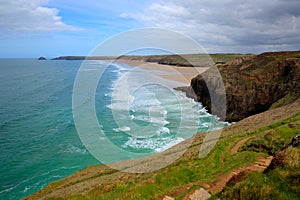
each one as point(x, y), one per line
point(42, 58)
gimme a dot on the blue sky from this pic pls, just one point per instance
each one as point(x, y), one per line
point(51, 28)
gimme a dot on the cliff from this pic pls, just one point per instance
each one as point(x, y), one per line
point(244, 147)
point(174, 60)
point(253, 84)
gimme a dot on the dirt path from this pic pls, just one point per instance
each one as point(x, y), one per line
point(217, 186)
point(238, 145)
point(260, 166)
point(220, 183)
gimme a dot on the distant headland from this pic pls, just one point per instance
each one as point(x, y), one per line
point(173, 60)
point(258, 153)
point(42, 58)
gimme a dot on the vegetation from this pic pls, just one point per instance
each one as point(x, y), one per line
point(189, 172)
point(283, 182)
point(276, 137)
point(252, 139)
point(187, 60)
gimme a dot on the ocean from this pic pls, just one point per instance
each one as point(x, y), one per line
point(39, 142)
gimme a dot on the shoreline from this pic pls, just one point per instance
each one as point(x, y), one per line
point(180, 74)
point(253, 129)
point(81, 182)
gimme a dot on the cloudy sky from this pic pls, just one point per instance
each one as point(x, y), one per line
point(32, 28)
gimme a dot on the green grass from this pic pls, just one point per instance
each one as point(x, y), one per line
point(211, 167)
point(289, 98)
point(262, 186)
point(177, 175)
point(179, 178)
point(182, 173)
point(281, 183)
point(273, 138)
point(196, 60)
point(271, 142)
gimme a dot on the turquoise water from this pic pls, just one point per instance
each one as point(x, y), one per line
point(38, 139)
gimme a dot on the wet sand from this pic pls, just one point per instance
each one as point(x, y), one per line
point(174, 73)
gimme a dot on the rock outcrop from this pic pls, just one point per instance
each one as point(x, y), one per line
point(42, 58)
point(253, 84)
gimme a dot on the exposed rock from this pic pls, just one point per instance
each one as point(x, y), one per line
point(42, 58)
point(289, 156)
point(200, 194)
point(253, 84)
point(168, 198)
point(295, 141)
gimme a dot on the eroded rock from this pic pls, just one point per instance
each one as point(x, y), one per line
point(253, 84)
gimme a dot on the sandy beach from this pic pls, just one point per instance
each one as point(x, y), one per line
point(174, 73)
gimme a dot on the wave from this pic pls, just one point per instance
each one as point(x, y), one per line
point(155, 110)
point(122, 129)
point(42, 180)
point(155, 144)
point(71, 149)
point(172, 143)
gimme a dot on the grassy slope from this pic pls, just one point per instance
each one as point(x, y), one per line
point(282, 179)
point(187, 59)
point(176, 60)
point(273, 129)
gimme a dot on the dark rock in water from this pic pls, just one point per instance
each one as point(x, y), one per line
point(188, 91)
point(253, 84)
point(42, 58)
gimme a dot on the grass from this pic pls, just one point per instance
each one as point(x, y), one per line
point(262, 186)
point(273, 138)
point(281, 183)
point(211, 167)
point(196, 60)
point(271, 142)
point(169, 179)
point(289, 98)
point(190, 172)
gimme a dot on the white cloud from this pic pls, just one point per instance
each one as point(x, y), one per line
point(255, 25)
point(23, 16)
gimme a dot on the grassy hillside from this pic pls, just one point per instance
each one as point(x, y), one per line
point(202, 60)
point(239, 151)
point(175, 60)
point(281, 180)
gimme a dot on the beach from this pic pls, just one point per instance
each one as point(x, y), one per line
point(41, 108)
point(180, 74)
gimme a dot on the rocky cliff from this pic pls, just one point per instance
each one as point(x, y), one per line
point(253, 84)
point(249, 81)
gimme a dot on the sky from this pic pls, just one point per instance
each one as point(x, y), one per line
point(51, 28)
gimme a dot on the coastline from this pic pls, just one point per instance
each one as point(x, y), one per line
point(85, 183)
point(179, 74)
point(229, 162)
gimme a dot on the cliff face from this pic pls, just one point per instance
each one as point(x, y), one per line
point(253, 84)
